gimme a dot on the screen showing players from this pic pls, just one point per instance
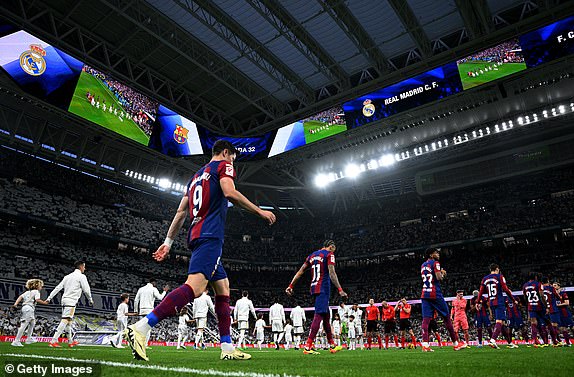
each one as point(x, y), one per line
point(288, 138)
point(491, 64)
point(111, 104)
point(324, 124)
point(39, 68)
point(174, 135)
point(548, 43)
point(408, 94)
point(250, 148)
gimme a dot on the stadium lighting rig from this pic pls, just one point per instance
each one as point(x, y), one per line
point(354, 170)
point(162, 184)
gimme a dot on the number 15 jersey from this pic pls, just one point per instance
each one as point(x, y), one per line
point(319, 261)
point(207, 204)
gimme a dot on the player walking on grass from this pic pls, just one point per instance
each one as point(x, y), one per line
point(566, 322)
point(552, 298)
point(373, 317)
point(482, 314)
point(122, 314)
point(533, 293)
point(458, 315)
point(322, 264)
point(206, 199)
point(29, 299)
point(389, 323)
point(494, 284)
point(432, 299)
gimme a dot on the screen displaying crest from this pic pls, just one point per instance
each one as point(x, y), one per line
point(174, 135)
point(40, 69)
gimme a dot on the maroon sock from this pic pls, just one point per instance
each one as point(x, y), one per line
point(314, 329)
point(327, 327)
point(450, 329)
point(524, 332)
point(497, 330)
point(534, 330)
point(507, 333)
point(566, 336)
point(479, 331)
point(223, 317)
point(489, 331)
point(171, 304)
point(554, 334)
point(544, 334)
point(425, 329)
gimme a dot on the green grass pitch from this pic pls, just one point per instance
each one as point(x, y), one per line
point(443, 362)
point(504, 70)
point(314, 124)
point(80, 106)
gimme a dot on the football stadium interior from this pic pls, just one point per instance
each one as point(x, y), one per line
point(382, 143)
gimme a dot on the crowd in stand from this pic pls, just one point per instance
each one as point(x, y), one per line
point(334, 115)
point(507, 52)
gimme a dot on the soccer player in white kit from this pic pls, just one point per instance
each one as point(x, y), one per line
point(122, 314)
point(298, 319)
point(259, 331)
point(28, 318)
point(357, 312)
point(288, 335)
point(352, 333)
point(336, 326)
point(243, 307)
point(277, 319)
point(201, 306)
point(73, 284)
point(144, 302)
point(182, 328)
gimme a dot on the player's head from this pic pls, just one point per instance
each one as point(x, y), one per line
point(125, 297)
point(533, 276)
point(260, 316)
point(459, 293)
point(404, 300)
point(494, 268)
point(245, 294)
point(384, 304)
point(351, 318)
point(80, 265)
point(355, 306)
point(34, 284)
point(432, 253)
point(337, 316)
point(225, 150)
point(556, 285)
point(330, 245)
point(546, 280)
point(183, 310)
point(475, 293)
point(342, 304)
point(152, 281)
point(371, 301)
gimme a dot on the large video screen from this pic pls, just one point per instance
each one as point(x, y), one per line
point(288, 138)
point(111, 104)
point(491, 64)
point(250, 148)
point(549, 43)
point(405, 95)
point(324, 124)
point(39, 68)
point(174, 135)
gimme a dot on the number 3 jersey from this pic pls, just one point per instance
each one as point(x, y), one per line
point(431, 286)
point(207, 204)
point(319, 261)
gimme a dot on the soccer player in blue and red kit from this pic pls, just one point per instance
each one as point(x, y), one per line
point(532, 291)
point(432, 299)
point(515, 321)
point(552, 298)
point(495, 285)
point(482, 315)
point(322, 264)
point(206, 200)
point(566, 322)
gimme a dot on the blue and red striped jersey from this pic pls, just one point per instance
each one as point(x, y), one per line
point(552, 298)
point(207, 204)
point(564, 310)
point(494, 285)
point(512, 310)
point(431, 285)
point(319, 261)
point(531, 290)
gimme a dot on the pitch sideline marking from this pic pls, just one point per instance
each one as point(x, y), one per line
point(203, 372)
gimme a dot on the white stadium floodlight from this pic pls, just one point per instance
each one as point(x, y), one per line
point(352, 171)
point(373, 164)
point(562, 109)
point(321, 180)
point(164, 183)
point(387, 160)
point(521, 120)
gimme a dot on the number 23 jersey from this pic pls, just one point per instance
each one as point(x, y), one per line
point(207, 204)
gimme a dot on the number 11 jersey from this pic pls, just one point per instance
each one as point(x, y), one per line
point(319, 261)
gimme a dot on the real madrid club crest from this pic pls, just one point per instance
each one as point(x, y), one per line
point(180, 134)
point(368, 108)
point(32, 61)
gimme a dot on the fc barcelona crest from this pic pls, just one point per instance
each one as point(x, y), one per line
point(180, 134)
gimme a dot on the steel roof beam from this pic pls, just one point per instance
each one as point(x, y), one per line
point(413, 26)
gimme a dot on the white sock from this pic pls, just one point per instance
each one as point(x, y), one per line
point(69, 332)
point(59, 331)
point(241, 340)
point(21, 330)
point(143, 326)
point(280, 337)
point(339, 341)
point(227, 347)
point(119, 337)
point(197, 338)
point(259, 343)
point(178, 340)
point(275, 335)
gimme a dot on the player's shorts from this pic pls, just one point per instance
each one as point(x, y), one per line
point(201, 323)
point(482, 320)
point(260, 335)
point(206, 258)
point(430, 305)
point(336, 331)
point(538, 315)
point(499, 312)
point(145, 311)
point(28, 313)
point(122, 324)
point(182, 330)
point(68, 311)
point(390, 327)
point(371, 325)
point(554, 317)
point(358, 330)
point(288, 337)
point(566, 321)
point(404, 324)
point(277, 326)
point(459, 323)
point(298, 330)
point(352, 333)
point(433, 326)
point(515, 322)
point(321, 303)
point(243, 325)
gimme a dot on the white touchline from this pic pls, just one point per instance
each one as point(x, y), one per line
point(204, 372)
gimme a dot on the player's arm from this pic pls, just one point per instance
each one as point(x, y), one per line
point(555, 293)
point(407, 309)
point(252, 309)
point(489, 309)
point(137, 301)
point(452, 313)
point(56, 290)
point(159, 296)
point(335, 280)
point(86, 288)
point(18, 300)
point(564, 302)
point(176, 224)
point(211, 307)
point(507, 290)
point(542, 297)
point(297, 276)
point(237, 198)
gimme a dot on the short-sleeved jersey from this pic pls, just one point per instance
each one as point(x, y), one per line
point(372, 313)
point(459, 307)
point(494, 285)
point(319, 261)
point(551, 297)
point(564, 310)
point(207, 204)
point(431, 285)
point(402, 313)
point(388, 313)
point(183, 321)
point(531, 290)
point(30, 297)
point(481, 304)
point(512, 310)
